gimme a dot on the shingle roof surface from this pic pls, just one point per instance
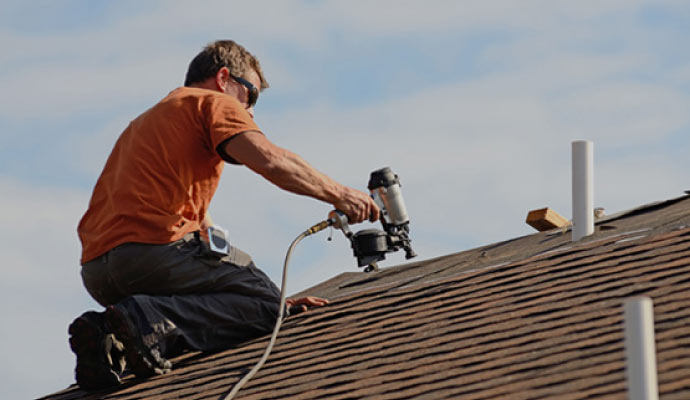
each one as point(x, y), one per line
point(536, 317)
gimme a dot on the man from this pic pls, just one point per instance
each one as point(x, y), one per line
point(146, 256)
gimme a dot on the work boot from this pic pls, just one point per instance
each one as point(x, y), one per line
point(143, 360)
point(100, 357)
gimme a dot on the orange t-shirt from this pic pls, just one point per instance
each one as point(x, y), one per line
point(163, 171)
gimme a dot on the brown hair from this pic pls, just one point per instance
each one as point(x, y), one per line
point(219, 54)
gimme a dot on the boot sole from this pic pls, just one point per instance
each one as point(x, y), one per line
point(93, 370)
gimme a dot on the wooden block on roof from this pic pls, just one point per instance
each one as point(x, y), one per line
point(545, 219)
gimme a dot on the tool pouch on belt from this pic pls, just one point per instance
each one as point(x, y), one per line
point(218, 242)
point(220, 252)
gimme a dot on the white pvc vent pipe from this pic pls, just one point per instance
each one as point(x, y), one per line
point(640, 352)
point(583, 189)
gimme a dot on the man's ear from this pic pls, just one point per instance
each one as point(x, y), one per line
point(222, 78)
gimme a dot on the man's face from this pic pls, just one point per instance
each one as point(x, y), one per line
point(241, 92)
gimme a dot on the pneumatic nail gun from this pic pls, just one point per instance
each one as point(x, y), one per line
point(371, 245)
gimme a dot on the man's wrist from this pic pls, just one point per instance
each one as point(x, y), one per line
point(334, 192)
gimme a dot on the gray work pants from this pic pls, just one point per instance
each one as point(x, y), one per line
point(183, 297)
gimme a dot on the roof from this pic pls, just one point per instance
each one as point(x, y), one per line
point(536, 317)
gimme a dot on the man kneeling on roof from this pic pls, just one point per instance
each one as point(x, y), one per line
point(146, 256)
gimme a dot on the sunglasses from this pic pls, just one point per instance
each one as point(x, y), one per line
point(253, 91)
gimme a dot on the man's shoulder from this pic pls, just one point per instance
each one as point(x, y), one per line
point(199, 94)
point(205, 101)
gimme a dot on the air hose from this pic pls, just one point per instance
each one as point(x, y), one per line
point(314, 229)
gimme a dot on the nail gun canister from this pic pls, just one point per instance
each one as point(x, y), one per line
point(384, 186)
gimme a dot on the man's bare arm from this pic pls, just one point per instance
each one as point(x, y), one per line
point(290, 172)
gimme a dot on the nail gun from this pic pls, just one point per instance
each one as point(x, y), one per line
point(371, 245)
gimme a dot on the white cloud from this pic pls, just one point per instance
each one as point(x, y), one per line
point(75, 88)
point(628, 181)
point(140, 57)
point(681, 76)
point(401, 17)
point(627, 114)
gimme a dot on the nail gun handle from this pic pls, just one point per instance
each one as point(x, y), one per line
point(340, 221)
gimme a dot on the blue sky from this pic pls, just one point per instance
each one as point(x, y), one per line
point(474, 104)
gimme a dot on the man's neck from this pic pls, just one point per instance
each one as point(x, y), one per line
point(209, 84)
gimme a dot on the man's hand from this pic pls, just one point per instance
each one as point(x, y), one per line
point(304, 303)
point(358, 206)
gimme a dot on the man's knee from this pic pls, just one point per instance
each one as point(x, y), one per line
point(98, 284)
